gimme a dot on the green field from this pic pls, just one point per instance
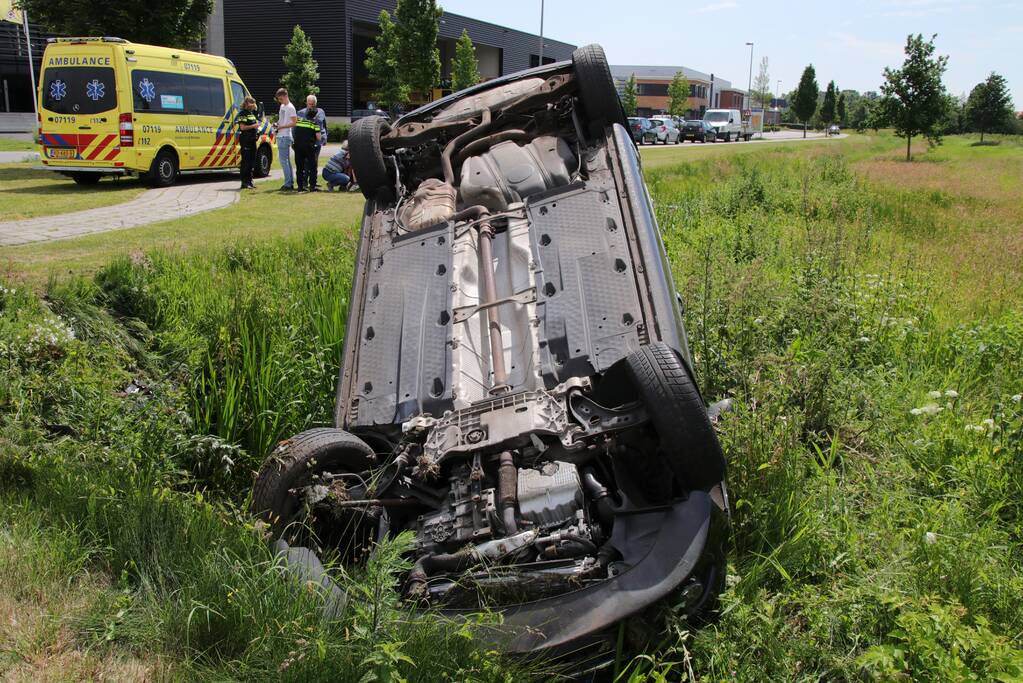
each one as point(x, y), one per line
point(26, 192)
point(865, 314)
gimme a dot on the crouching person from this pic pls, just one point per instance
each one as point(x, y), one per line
point(337, 171)
point(307, 137)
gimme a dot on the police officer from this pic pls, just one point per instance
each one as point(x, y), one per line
point(247, 124)
point(307, 137)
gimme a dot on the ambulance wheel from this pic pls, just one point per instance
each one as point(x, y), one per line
point(85, 178)
point(368, 158)
point(264, 160)
point(164, 170)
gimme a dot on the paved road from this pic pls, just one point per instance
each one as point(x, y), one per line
point(15, 157)
point(190, 195)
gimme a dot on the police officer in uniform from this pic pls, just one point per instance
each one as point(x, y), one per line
point(307, 137)
point(247, 124)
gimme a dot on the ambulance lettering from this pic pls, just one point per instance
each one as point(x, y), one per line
point(78, 61)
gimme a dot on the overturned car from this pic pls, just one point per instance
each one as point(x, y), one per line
point(516, 388)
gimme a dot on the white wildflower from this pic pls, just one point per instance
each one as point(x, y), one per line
point(951, 393)
point(989, 424)
point(1017, 397)
point(929, 409)
point(930, 538)
point(975, 428)
point(933, 394)
point(758, 321)
point(864, 340)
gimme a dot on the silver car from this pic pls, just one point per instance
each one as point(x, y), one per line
point(667, 130)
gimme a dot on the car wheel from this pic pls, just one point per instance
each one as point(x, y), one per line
point(296, 463)
point(164, 170)
point(264, 160)
point(689, 445)
point(368, 158)
point(85, 178)
point(597, 89)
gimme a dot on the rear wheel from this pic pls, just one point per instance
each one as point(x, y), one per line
point(597, 89)
point(368, 158)
point(264, 160)
point(687, 440)
point(164, 170)
point(85, 178)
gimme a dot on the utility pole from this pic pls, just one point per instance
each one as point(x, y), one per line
point(749, 86)
point(541, 33)
point(31, 65)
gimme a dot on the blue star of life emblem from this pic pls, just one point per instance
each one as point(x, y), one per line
point(58, 89)
point(147, 90)
point(94, 90)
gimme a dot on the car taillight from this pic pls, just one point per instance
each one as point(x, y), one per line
point(127, 129)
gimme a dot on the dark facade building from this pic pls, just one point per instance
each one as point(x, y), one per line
point(16, 87)
point(256, 33)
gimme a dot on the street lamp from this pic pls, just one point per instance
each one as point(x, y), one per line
point(749, 86)
point(541, 32)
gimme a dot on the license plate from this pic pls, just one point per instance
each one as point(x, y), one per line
point(61, 152)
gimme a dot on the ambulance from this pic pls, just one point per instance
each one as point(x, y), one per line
point(111, 107)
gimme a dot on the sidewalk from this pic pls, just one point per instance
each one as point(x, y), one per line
point(190, 195)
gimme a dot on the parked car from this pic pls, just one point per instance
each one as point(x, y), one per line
point(516, 391)
point(363, 113)
point(666, 129)
point(699, 130)
point(833, 129)
point(642, 130)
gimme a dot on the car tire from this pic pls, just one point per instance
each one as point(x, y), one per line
point(679, 416)
point(85, 178)
point(264, 161)
point(368, 158)
point(294, 462)
point(597, 91)
point(164, 170)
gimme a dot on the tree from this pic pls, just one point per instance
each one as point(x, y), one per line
point(629, 96)
point(860, 116)
point(303, 71)
point(989, 107)
point(841, 111)
point(678, 95)
point(762, 85)
point(173, 23)
point(417, 53)
point(805, 102)
point(382, 64)
point(913, 98)
point(828, 106)
point(464, 68)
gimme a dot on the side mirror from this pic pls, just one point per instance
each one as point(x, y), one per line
point(259, 110)
point(731, 120)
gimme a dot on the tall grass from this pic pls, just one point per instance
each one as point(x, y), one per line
point(876, 448)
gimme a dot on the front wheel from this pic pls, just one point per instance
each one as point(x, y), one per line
point(597, 91)
point(368, 162)
point(687, 440)
point(264, 160)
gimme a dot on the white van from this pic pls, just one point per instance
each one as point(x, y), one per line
point(727, 123)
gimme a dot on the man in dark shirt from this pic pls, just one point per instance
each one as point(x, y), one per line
point(247, 124)
point(307, 137)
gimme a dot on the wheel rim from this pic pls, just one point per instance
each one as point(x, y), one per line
point(166, 169)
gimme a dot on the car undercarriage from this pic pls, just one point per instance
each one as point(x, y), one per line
point(515, 389)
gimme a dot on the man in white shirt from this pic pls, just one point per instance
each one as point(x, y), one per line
point(286, 120)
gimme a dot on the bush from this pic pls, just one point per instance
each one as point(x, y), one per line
point(337, 132)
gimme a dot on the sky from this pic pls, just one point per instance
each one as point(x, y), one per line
point(849, 42)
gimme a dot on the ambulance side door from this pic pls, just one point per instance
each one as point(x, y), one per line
point(210, 115)
point(159, 115)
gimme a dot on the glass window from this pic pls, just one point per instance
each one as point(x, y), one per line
point(238, 93)
point(716, 116)
point(79, 90)
point(158, 92)
point(204, 96)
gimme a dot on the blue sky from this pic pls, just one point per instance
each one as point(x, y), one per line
point(849, 42)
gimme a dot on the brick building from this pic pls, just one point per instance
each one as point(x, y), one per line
point(706, 91)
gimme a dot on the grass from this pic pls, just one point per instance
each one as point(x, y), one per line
point(864, 314)
point(28, 193)
point(16, 145)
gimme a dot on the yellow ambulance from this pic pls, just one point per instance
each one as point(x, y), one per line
point(111, 107)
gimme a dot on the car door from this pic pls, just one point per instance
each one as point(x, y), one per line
point(158, 110)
